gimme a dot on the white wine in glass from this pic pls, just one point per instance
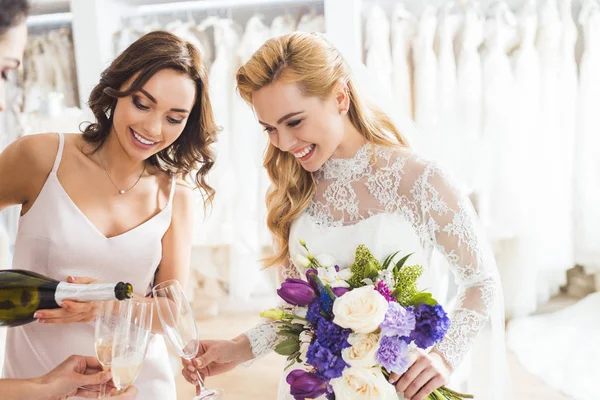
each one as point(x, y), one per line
point(179, 326)
point(106, 325)
point(130, 341)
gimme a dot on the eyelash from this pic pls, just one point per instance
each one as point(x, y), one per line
point(144, 108)
point(5, 75)
point(291, 124)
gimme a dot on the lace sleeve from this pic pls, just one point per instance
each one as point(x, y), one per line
point(453, 227)
point(263, 337)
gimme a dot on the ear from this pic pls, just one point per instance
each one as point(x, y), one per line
point(342, 96)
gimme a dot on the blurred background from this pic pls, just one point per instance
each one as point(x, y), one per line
point(504, 95)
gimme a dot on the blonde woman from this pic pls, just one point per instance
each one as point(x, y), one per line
point(342, 174)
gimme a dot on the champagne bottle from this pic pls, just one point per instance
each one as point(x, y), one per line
point(22, 293)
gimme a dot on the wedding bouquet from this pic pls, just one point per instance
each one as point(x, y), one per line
point(351, 329)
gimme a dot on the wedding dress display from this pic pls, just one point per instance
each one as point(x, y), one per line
point(587, 162)
point(425, 76)
point(403, 31)
point(389, 199)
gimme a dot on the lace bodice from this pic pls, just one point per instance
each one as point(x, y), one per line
point(390, 199)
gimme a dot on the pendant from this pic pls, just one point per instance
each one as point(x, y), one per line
point(121, 191)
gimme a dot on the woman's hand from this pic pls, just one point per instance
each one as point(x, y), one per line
point(427, 373)
point(70, 311)
point(215, 357)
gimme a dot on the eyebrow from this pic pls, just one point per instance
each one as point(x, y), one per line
point(152, 99)
point(287, 116)
point(18, 62)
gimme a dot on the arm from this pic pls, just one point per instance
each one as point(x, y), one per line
point(24, 167)
point(454, 228)
point(177, 243)
point(68, 379)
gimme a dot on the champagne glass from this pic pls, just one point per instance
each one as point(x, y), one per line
point(107, 321)
point(130, 341)
point(179, 326)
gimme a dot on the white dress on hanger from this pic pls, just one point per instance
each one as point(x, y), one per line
point(446, 88)
point(500, 134)
point(249, 213)
point(550, 215)
point(378, 52)
point(587, 162)
point(425, 81)
point(403, 32)
point(469, 101)
point(518, 267)
point(282, 25)
point(311, 22)
point(419, 212)
point(216, 229)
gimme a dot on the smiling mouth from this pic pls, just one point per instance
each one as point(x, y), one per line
point(305, 152)
point(142, 139)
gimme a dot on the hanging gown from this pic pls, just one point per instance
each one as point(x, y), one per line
point(249, 212)
point(446, 88)
point(469, 103)
point(378, 52)
point(499, 130)
point(548, 215)
point(519, 267)
point(216, 229)
point(587, 162)
point(396, 201)
point(403, 32)
point(425, 81)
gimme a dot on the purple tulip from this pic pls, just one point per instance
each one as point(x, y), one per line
point(296, 292)
point(339, 291)
point(304, 385)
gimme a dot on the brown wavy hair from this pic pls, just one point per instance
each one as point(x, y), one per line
point(317, 67)
point(192, 151)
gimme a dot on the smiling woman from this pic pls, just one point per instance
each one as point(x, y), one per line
point(113, 203)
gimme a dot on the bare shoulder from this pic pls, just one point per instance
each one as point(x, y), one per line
point(34, 153)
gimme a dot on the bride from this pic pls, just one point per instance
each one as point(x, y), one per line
point(342, 175)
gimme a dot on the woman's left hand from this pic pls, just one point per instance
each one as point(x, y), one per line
point(70, 311)
point(428, 373)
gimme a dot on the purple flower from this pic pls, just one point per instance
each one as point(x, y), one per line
point(296, 292)
point(327, 364)
point(313, 315)
point(304, 385)
point(384, 290)
point(432, 323)
point(332, 336)
point(398, 321)
point(340, 291)
point(392, 354)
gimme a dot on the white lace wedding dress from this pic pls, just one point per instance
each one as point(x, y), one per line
point(389, 199)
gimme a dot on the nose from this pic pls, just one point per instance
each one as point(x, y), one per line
point(287, 140)
point(153, 124)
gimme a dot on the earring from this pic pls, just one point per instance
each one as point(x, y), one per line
point(343, 112)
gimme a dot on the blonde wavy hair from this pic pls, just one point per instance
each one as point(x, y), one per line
point(318, 68)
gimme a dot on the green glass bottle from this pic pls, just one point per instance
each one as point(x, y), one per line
point(22, 293)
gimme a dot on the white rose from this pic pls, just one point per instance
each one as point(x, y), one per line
point(301, 261)
point(363, 384)
point(361, 310)
point(363, 350)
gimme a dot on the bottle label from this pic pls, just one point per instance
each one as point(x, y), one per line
point(91, 292)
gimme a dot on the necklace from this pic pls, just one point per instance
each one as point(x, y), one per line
point(121, 191)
